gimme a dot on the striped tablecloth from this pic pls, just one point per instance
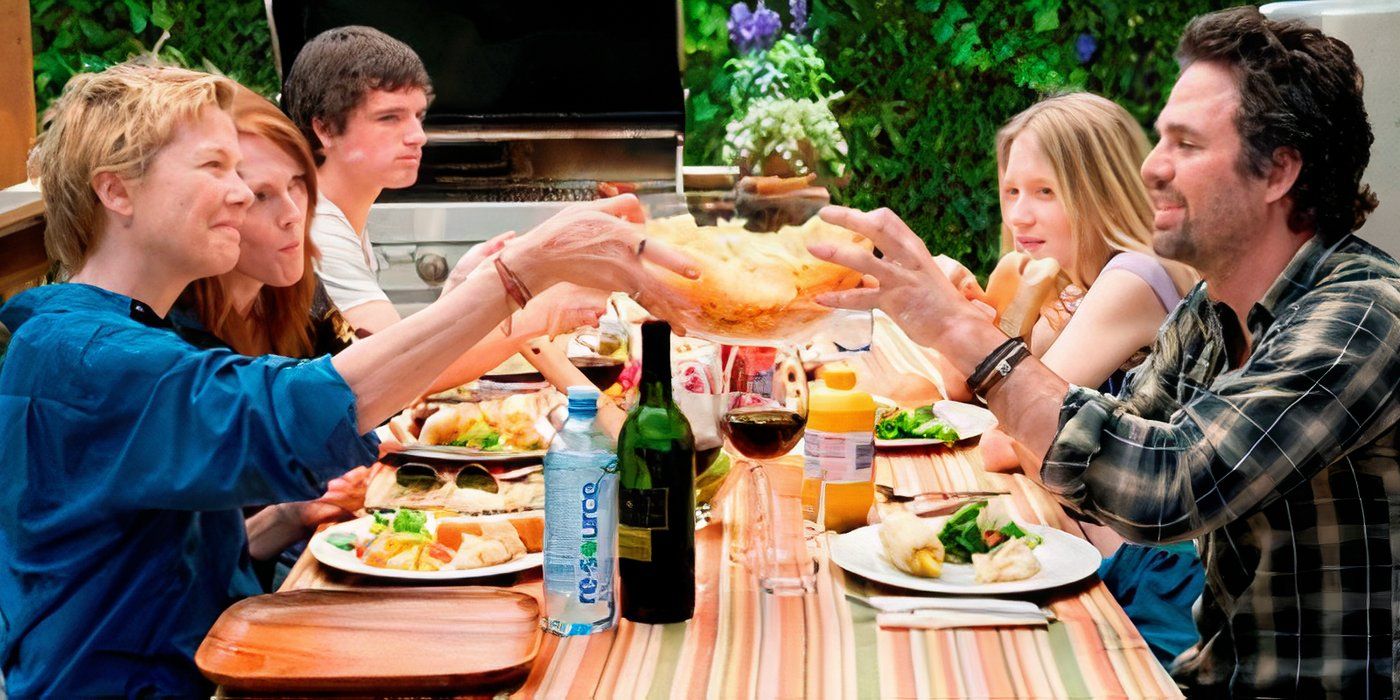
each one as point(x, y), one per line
point(745, 643)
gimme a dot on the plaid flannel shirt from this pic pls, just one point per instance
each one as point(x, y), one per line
point(1285, 468)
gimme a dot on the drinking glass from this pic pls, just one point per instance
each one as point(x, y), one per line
point(763, 416)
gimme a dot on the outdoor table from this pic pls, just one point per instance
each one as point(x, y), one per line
point(743, 642)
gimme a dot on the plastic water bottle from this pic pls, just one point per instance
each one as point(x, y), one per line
point(580, 522)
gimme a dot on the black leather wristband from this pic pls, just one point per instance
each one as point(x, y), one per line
point(996, 367)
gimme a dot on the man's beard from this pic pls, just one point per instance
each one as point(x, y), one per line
point(1179, 244)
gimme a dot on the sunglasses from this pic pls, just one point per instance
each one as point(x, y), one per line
point(417, 476)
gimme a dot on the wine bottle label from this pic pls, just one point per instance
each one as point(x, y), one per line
point(633, 543)
point(838, 456)
point(643, 508)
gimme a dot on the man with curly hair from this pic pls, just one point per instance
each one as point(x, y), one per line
point(1263, 425)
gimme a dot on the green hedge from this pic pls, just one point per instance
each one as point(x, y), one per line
point(929, 82)
point(223, 36)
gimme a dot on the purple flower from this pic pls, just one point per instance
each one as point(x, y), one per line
point(753, 30)
point(1085, 46)
point(799, 16)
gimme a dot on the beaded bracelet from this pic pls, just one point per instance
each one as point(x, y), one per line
point(515, 289)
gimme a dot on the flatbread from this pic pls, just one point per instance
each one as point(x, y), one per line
point(756, 286)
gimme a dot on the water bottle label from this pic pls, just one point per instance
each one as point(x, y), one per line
point(643, 508)
point(633, 543)
point(589, 587)
point(568, 629)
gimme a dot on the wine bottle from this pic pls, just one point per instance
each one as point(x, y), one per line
point(656, 498)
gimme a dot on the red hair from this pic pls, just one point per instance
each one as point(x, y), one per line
point(280, 319)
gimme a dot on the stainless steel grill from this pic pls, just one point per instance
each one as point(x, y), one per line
point(537, 103)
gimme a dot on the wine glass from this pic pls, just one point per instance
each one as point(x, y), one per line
point(764, 408)
point(763, 416)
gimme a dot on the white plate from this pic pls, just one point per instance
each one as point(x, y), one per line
point(1063, 557)
point(970, 421)
point(907, 442)
point(337, 558)
point(467, 454)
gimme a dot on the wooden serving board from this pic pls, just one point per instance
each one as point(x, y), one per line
point(440, 640)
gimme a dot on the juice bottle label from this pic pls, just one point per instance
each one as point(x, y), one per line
point(838, 456)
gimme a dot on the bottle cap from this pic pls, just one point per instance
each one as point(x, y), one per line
point(839, 376)
point(583, 399)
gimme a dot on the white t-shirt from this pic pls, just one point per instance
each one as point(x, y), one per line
point(348, 267)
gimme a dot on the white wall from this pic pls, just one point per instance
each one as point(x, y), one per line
point(1372, 29)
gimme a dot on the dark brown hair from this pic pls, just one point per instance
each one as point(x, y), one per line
point(280, 320)
point(335, 70)
point(1299, 89)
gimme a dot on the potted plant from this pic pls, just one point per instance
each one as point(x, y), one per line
point(783, 125)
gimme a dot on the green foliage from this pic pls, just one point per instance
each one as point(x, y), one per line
point(927, 84)
point(803, 134)
point(791, 68)
point(708, 110)
point(221, 36)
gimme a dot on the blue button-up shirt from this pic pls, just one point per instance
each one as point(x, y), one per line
point(126, 454)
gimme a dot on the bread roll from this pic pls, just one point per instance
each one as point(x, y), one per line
point(529, 526)
point(1002, 283)
point(755, 285)
point(1018, 288)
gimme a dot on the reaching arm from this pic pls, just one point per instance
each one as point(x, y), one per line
point(594, 246)
point(371, 317)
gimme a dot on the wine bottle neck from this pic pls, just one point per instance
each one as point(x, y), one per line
point(656, 364)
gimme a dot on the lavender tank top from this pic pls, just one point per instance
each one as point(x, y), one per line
point(1151, 271)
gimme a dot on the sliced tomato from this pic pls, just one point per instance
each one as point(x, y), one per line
point(440, 552)
point(992, 538)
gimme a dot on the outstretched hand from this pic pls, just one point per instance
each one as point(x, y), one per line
point(909, 284)
point(601, 245)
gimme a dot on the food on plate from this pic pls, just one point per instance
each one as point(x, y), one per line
point(1017, 288)
point(415, 540)
point(499, 544)
point(447, 490)
point(494, 425)
point(977, 528)
point(911, 544)
point(916, 423)
point(406, 551)
point(528, 528)
point(1011, 561)
point(756, 285)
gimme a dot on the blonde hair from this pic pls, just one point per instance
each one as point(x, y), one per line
point(115, 121)
point(1097, 151)
point(280, 319)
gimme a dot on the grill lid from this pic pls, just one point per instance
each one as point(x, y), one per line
point(519, 62)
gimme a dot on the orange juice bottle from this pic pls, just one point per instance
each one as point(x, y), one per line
point(838, 487)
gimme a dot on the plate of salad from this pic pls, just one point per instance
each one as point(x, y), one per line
point(976, 551)
point(414, 545)
point(940, 423)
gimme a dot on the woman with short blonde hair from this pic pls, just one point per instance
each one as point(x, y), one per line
point(130, 452)
point(113, 122)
